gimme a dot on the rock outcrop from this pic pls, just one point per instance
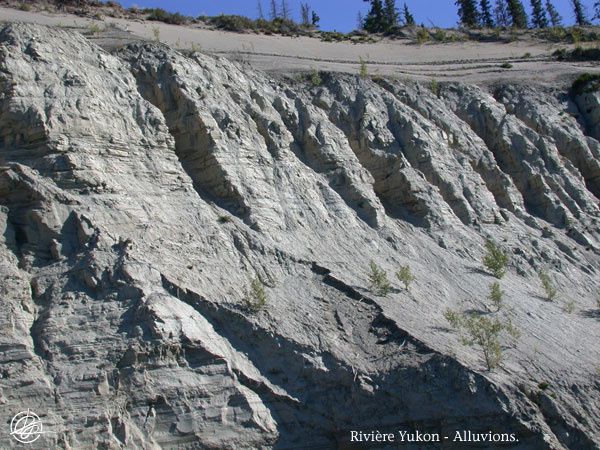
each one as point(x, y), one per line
point(142, 190)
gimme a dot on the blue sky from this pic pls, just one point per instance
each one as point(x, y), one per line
point(340, 15)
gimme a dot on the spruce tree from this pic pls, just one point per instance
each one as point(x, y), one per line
point(409, 19)
point(555, 18)
point(305, 14)
point(273, 11)
point(360, 21)
point(517, 13)
point(486, 14)
point(467, 12)
point(597, 10)
point(538, 17)
point(261, 15)
point(375, 21)
point(580, 16)
point(315, 19)
point(501, 14)
point(391, 14)
point(285, 9)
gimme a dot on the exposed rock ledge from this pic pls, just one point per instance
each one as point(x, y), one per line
point(141, 190)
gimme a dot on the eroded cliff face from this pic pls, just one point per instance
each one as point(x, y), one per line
point(142, 190)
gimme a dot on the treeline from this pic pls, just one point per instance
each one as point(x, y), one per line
point(278, 18)
point(281, 10)
point(384, 15)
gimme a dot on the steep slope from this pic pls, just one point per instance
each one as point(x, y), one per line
point(142, 190)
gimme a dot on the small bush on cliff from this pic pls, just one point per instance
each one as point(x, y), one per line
point(495, 295)
point(495, 260)
point(255, 296)
point(435, 87)
point(483, 332)
point(378, 280)
point(586, 83)
point(315, 78)
point(363, 71)
point(548, 286)
point(406, 276)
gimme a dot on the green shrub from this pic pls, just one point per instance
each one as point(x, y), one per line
point(255, 296)
point(363, 70)
point(495, 260)
point(482, 332)
point(405, 276)
point(225, 219)
point(422, 36)
point(569, 307)
point(453, 318)
point(94, 28)
point(585, 83)
point(560, 54)
point(315, 78)
point(24, 7)
point(548, 286)
point(378, 280)
point(160, 15)
point(435, 87)
point(232, 23)
point(557, 34)
point(506, 65)
point(440, 35)
point(495, 296)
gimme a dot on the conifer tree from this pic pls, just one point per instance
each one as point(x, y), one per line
point(409, 19)
point(517, 14)
point(285, 9)
point(315, 19)
point(261, 16)
point(305, 14)
point(555, 18)
point(501, 14)
point(273, 14)
point(467, 12)
point(580, 16)
point(597, 10)
point(360, 21)
point(538, 16)
point(486, 14)
point(375, 21)
point(391, 13)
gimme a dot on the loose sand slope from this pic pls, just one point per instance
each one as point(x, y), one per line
point(468, 61)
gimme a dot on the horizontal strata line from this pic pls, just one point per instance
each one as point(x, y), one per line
point(386, 63)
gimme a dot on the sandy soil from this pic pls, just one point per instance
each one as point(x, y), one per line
point(468, 61)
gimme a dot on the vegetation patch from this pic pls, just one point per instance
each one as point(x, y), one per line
point(483, 332)
point(255, 297)
point(405, 276)
point(378, 280)
point(160, 15)
point(495, 259)
point(586, 83)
